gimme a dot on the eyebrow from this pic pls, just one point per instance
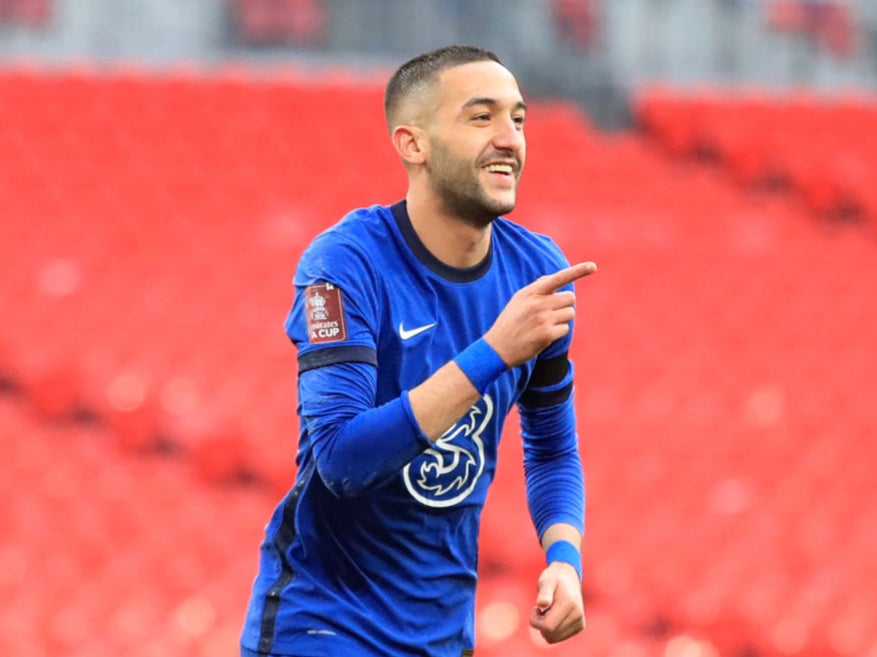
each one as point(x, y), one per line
point(492, 102)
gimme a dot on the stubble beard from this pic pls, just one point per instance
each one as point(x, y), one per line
point(455, 183)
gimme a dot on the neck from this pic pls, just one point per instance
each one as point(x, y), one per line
point(453, 241)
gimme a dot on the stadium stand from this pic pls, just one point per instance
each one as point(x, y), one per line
point(829, 23)
point(150, 223)
point(278, 22)
point(577, 22)
point(822, 148)
point(27, 13)
point(105, 554)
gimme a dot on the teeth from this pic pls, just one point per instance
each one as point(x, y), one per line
point(500, 168)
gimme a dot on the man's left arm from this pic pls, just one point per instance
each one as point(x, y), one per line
point(555, 495)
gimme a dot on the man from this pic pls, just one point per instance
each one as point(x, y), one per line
point(418, 327)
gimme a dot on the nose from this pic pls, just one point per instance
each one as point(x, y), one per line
point(509, 135)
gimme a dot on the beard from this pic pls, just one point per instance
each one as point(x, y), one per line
point(456, 185)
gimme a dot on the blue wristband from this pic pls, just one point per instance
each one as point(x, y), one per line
point(567, 553)
point(481, 364)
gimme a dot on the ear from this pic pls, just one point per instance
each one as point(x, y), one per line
point(410, 143)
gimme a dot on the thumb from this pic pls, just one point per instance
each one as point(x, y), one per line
point(545, 595)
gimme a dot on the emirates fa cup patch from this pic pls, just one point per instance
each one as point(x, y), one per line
point(325, 313)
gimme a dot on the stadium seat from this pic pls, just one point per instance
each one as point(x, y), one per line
point(724, 362)
point(819, 147)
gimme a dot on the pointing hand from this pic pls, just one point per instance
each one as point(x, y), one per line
point(536, 315)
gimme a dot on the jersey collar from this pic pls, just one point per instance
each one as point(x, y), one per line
point(453, 274)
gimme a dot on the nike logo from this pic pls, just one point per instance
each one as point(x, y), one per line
point(407, 334)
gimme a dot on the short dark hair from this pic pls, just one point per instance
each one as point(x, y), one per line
point(422, 70)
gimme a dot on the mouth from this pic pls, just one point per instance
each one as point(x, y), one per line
point(502, 170)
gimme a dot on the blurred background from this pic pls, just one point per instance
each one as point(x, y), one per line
point(164, 162)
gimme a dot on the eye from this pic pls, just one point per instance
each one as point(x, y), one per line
point(519, 120)
point(484, 116)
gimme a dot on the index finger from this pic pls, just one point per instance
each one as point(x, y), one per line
point(553, 282)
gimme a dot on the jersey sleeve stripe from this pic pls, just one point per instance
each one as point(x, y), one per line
point(542, 398)
point(311, 360)
point(549, 371)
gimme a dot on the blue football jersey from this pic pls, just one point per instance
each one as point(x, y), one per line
point(387, 566)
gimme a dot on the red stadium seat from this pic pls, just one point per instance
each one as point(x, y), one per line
point(724, 363)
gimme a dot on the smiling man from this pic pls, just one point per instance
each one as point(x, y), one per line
point(419, 326)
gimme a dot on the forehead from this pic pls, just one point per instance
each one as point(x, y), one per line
point(486, 79)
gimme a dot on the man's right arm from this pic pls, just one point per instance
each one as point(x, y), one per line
point(345, 427)
point(534, 317)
